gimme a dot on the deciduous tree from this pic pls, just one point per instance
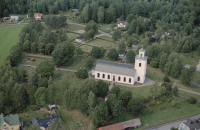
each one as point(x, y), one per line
point(113, 54)
point(45, 68)
point(135, 106)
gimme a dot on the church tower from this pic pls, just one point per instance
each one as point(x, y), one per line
point(140, 66)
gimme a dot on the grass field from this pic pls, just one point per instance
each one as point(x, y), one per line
point(104, 43)
point(106, 38)
point(72, 28)
point(191, 58)
point(8, 37)
point(104, 27)
point(76, 43)
point(26, 20)
point(159, 117)
point(72, 36)
point(86, 48)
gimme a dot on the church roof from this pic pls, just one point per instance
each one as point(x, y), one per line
point(115, 68)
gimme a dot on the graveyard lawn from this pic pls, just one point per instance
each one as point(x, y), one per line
point(86, 48)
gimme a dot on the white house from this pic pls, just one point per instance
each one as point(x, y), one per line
point(122, 73)
point(123, 24)
point(14, 16)
point(80, 38)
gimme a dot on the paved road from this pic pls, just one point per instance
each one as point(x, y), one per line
point(55, 68)
point(175, 124)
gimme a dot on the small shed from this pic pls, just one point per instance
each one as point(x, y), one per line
point(14, 17)
point(80, 38)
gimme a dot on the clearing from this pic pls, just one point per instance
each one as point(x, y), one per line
point(9, 36)
point(104, 43)
point(72, 36)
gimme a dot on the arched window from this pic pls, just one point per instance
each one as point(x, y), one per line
point(108, 76)
point(119, 78)
point(140, 64)
point(140, 55)
point(97, 74)
point(129, 80)
point(138, 78)
point(103, 76)
point(124, 79)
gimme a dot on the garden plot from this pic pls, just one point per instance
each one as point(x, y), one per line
point(27, 60)
point(72, 27)
point(86, 48)
point(72, 36)
point(103, 43)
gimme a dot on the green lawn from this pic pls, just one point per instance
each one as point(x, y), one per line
point(8, 37)
point(86, 48)
point(26, 20)
point(191, 58)
point(140, 92)
point(104, 43)
point(196, 77)
point(31, 115)
point(106, 38)
point(104, 27)
point(76, 43)
point(159, 117)
point(72, 36)
point(72, 28)
point(186, 94)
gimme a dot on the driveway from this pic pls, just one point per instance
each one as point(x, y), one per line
point(175, 124)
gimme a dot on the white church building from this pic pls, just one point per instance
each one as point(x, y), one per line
point(120, 72)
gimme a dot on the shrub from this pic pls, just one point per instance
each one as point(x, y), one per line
point(153, 103)
point(173, 104)
point(34, 107)
point(175, 90)
point(46, 114)
point(47, 107)
point(146, 100)
point(162, 107)
point(154, 64)
point(82, 73)
point(159, 102)
point(166, 79)
point(167, 86)
point(163, 98)
point(169, 100)
point(192, 100)
point(148, 111)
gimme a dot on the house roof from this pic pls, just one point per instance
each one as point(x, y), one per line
point(123, 125)
point(132, 123)
point(10, 119)
point(14, 14)
point(51, 106)
point(117, 126)
point(80, 37)
point(37, 15)
point(75, 9)
point(44, 122)
point(192, 124)
point(166, 31)
point(123, 22)
point(115, 68)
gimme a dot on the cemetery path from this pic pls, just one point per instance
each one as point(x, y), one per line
point(37, 55)
point(55, 68)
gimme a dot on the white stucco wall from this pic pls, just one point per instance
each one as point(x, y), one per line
point(116, 76)
point(141, 71)
point(79, 40)
point(14, 17)
point(120, 25)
